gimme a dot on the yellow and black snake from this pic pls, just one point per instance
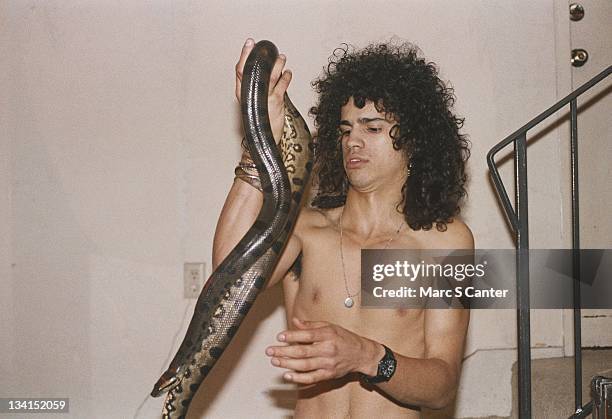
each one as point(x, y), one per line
point(232, 288)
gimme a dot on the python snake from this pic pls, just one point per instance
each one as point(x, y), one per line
point(233, 287)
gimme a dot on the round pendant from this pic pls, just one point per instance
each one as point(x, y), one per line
point(348, 303)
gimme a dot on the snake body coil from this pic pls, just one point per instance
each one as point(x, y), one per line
point(232, 288)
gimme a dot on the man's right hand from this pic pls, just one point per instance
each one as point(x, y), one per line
point(279, 81)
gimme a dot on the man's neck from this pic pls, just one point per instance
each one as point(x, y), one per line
point(372, 214)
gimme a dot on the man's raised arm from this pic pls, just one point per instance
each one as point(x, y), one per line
point(244, 201)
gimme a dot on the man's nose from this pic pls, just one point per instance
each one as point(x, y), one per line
point(355, 139)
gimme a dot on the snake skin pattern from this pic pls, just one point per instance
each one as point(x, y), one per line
point(233, 287)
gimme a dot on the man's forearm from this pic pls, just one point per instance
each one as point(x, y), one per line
point(241, 207)
point(430, 383)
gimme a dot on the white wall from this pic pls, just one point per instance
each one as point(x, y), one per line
point(119, 143)
point(6, 286)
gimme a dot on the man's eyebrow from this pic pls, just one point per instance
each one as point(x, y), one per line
point(366, 120)
point(363, 121)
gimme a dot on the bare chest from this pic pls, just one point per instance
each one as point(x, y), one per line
point(330, 276)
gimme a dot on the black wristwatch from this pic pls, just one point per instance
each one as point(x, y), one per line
point(386, 369)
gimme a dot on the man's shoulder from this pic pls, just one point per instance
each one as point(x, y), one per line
point(456, 236)
point(312, 217)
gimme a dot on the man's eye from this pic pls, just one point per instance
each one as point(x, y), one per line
point(344, 133)
point(374, 129)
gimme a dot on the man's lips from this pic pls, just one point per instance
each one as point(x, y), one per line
point(354, 162)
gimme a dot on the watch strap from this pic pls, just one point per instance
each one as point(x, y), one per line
point(386, 368)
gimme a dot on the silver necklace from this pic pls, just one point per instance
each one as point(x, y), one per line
point(349, 302)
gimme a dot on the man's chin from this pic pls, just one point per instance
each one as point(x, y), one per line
point(361, 184)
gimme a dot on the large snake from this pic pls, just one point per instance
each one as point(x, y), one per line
point(232, 288)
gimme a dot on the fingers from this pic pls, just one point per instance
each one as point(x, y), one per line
point(308, 364)
point(309, 335)
point(279, 79)
point(305, 324)
point(300, 336)
point(293, 351)
point(277, 71)
point(246, 50)
point(310, 331)
point(328, 349)
point(283, 83)
point(308, 377)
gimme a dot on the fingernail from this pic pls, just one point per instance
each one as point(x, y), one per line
point(248, 42)
point(287, 376)
point(275, 361)
point(270, 351)
point(282, 56)
point(281, 337)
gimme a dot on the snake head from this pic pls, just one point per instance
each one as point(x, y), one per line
point(166, 382)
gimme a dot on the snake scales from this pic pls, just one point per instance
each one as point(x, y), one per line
point(232, 288)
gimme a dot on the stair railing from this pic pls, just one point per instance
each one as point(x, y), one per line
point(520, 227)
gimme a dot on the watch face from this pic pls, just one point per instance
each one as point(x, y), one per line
point(387, 367)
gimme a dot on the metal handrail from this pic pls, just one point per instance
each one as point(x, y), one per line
point(518, 220)
point(583, 412)
point(499, 186)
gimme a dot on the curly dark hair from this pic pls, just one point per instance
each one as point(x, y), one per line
point(404, 86)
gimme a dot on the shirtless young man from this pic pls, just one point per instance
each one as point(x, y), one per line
point(402, 197)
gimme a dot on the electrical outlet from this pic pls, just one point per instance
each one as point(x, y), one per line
point(193, 274)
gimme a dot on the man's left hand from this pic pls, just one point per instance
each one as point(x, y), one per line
point(320, 351)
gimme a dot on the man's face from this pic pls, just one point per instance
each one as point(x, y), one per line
point(369, 159)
